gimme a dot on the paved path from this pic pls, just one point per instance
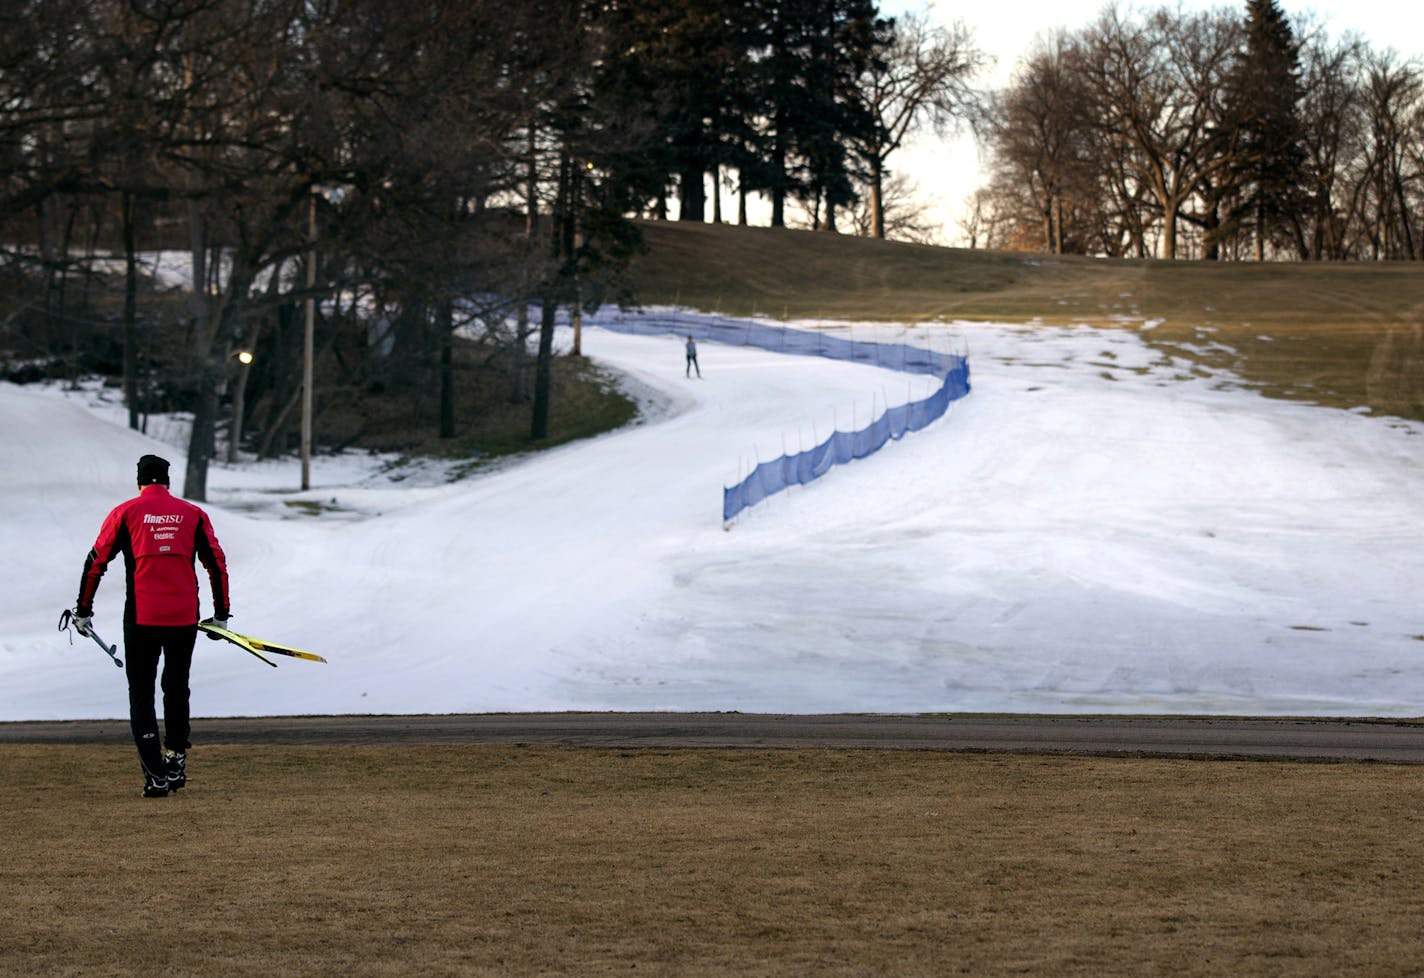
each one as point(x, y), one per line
point(1399, 741)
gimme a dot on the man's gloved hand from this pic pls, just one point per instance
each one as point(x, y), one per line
point(219, 622)
point(81, 623)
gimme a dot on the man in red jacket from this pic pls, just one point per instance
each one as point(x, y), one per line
point(160, 537)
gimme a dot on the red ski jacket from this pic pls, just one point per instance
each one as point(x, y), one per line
point(159, 536)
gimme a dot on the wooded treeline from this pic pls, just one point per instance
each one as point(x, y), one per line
point(414, 171)
point(1226, 133)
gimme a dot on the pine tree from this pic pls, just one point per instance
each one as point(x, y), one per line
point(815, 53)
point(684, 70)
point(1265, 100)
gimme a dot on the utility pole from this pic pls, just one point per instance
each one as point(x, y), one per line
point(308, 345)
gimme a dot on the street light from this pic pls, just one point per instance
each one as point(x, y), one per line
point(308, 344)
point(239, 402)
point(333, 193)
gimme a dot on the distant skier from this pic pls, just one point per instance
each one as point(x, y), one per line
point(692, 359)
point(160, 537)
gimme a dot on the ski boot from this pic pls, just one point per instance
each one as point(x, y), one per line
point(174, 761)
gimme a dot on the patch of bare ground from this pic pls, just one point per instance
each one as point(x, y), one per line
point(475, 860)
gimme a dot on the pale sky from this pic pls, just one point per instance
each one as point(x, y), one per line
point(1006, 29)
point(947, 173)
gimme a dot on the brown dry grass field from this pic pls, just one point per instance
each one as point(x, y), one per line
point(494, 860)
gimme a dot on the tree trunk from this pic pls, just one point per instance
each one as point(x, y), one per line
point(211, 349)
point(877, 197)
point(694, 195)
point(239, 407)
point(447, 370)
point(778, 179)
point(1169, 231)
point(46, 211)
point(1211, 233)
point(198, 248)
point(277, 424)
point(1406, 231)
point(519, 388)
point(130, 313)
point(543, 371)
point(201, 439)
point(518, 392)
point(1260, 230)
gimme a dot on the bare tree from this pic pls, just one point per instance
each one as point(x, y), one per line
point(981, 223)
point(925, 79)
point(1333, 127)
point(49, 112)
point(1393, 89)
point(903, 214)
point(1151, 83)
point(241, 103)
point(1042, 131)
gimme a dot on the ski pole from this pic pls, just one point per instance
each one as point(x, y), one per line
point(109, 650)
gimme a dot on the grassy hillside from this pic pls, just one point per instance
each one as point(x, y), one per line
point(1345, 335)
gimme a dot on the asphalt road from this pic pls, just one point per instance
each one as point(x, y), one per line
point(1396, 741)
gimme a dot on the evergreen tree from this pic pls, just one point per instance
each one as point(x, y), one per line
point(1265, 101)
point(684, 69)
point(815, 54)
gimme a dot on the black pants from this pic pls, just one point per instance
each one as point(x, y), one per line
point(143, 644)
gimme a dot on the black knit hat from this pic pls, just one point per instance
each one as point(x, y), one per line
point(152, 469)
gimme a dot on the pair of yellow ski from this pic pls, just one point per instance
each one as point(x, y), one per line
point(257, 646)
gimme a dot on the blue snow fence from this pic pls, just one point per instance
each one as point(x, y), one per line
point(842, 446)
